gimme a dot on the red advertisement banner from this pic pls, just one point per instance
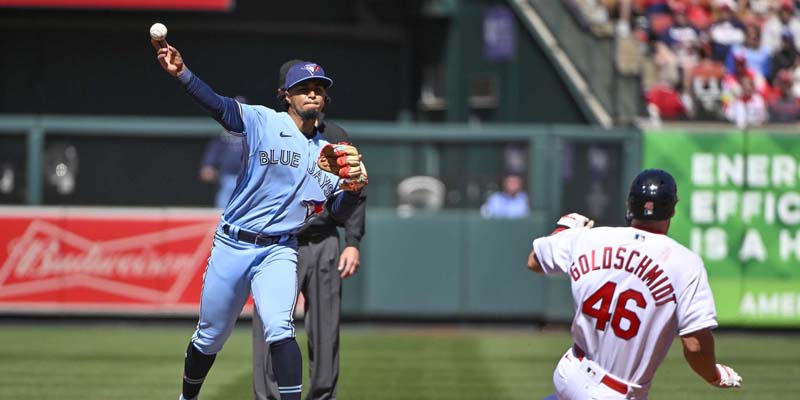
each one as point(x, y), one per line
point(193, 5)
point(103, 260)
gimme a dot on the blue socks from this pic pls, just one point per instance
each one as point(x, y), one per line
point(195, 369)
point(287, 364)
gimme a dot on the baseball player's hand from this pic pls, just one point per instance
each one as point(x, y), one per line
point(349, 261)
point(168, 56)
point(727, 378)
point(575, 220)
point(343, 159)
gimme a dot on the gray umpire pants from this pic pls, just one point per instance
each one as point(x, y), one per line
point(320, 282)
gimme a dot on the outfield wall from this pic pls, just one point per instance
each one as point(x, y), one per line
point(119, 261)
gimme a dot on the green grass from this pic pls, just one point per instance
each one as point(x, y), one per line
point(127, 361)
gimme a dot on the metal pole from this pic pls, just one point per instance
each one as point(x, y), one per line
point(35, 149)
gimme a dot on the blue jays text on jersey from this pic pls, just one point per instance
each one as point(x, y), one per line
point(323, 178)
point(286, 157)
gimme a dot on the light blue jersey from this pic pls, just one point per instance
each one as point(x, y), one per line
point(281, 186)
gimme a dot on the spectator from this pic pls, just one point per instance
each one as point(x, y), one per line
point(747, 109)
point(757, 57)
point(683, 40)
point(732, 83)
point(667, 101)
point(726, 31)
point(775, 26)
point(707, 80)
point(221, 163)
point(699, 13)
point(782, 104)
point(759, 8)
point(796, 75)
point(685, 74)
point(651, 7)
point(624, 16)
point(666, 65)
point(512, 202)
point(785, 57)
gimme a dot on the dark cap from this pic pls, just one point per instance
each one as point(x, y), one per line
point(297, 71)
point(652, 196)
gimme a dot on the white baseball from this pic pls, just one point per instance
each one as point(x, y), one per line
point(158, 31)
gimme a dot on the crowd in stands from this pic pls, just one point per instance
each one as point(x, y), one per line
point(715, 59)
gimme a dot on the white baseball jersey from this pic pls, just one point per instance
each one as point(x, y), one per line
point(633, 291)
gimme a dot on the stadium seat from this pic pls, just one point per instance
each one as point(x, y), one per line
point(420, 193)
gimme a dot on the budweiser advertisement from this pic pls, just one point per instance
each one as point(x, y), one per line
point(94, 260)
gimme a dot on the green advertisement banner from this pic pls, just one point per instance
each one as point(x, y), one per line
point(739, 209)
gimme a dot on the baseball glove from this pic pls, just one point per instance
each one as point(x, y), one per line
point(572, 221)
point(575, 220)
point(343, 160)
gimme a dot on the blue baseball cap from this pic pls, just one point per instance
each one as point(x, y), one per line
point(304, 71)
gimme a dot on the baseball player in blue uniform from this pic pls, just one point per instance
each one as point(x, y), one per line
point(279, 188)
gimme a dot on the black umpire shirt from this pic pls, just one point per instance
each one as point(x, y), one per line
point(324, 225)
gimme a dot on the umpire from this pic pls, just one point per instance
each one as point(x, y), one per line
point(320, 270)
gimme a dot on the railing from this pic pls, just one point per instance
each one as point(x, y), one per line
point(593, 58)
point(421, 145)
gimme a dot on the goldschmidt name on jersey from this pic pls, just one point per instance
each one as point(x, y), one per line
point(632, 261)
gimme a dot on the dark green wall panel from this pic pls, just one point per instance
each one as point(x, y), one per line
point(498, 280)
point(415, 266)
point(452, 264)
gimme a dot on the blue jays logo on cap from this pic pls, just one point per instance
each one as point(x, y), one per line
point(311, 68)
point(304, 71)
